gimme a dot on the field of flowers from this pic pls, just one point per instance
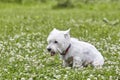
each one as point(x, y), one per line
point(23, 33)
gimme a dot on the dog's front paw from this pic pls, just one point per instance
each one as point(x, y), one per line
point(77, 66)
point(65, 64)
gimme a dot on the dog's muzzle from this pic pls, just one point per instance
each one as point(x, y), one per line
point(51, 52)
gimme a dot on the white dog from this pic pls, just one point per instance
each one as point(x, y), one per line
point(72, 51)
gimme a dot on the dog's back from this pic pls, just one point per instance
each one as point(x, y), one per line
point(87, 52)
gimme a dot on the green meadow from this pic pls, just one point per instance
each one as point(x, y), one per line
point(24, 29)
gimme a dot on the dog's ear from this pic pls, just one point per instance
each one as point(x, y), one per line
point(67, 34)
point(67, 31)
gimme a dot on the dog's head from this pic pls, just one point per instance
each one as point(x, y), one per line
point(58, 41)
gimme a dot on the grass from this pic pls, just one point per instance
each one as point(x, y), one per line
point(23, 33)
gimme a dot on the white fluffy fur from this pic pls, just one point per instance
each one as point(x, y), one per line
point(79, 54)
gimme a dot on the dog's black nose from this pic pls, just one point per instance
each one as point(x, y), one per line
point(49, 49)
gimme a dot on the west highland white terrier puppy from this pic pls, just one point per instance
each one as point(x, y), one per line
point(72, 51)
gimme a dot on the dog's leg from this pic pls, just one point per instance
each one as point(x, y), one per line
point(65, 64)
point(77, 62)
point(98, 63)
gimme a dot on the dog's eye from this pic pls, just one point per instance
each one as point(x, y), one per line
point(56, 42)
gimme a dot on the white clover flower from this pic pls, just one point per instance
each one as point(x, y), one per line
point(28, 45)
point(110, 78)
point(30, 79)
point(19, 45)
point(102, 77)
point(1, 45)
point(95, 78)
point(65, 76)
point(11, 39)
point(57, 71)
point(15, 78)
point(12, 59)
point(27, 67)
point(16, 36)
point(88, 79)
point(91, 75)
point(23, 78)
point(12, 53)
point(68, 68)
point(5, 69)
point(45, 77)
point(20, 58)
point(57, 76)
